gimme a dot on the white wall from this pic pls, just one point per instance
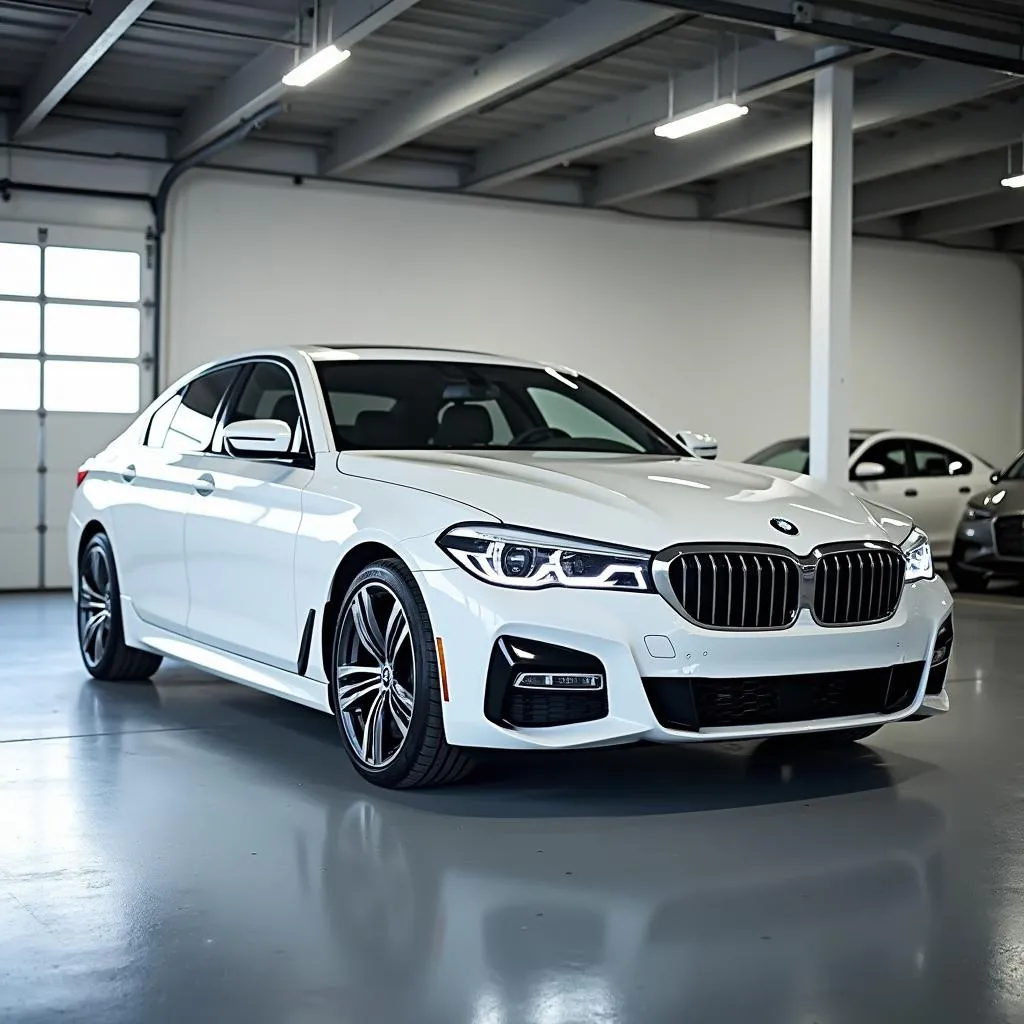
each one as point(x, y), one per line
point(704, 326)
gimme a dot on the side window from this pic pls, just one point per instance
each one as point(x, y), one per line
point(160, 421)
point(269, 394)
point(892, 454)
point(563, 413)
point(790, 455)
point(934, 460)
point(191, 428)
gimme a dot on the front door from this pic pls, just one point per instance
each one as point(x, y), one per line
point(241, 531)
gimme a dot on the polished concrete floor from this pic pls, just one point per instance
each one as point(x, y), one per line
point(191, 851)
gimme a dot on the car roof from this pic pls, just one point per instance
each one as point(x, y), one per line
point(329, 353)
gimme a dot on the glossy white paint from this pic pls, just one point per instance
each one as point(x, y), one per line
point(935, 503)
point(225, 579)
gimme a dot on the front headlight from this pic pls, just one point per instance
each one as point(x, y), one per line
point(512, 557)
point(918, 553)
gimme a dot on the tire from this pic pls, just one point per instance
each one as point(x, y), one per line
point(100, 627)
point(969, 582)
point(385, 679)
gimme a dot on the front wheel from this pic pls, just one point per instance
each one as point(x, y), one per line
point(385, 683)
point(100, 629)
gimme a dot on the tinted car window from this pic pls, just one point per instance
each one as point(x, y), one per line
point(406, 404)
point(191, 428)
point(793, 455)
point(934, 460)
point(890, 454)
point(268, 394)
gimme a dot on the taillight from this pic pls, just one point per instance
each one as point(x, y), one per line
point(80, 476)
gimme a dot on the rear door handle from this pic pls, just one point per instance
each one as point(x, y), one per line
point(911, 492)
point(204, 485)
point(128, 474)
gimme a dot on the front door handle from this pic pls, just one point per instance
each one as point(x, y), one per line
point(128, 474)
point(911, 492)
point(204, 485)
point(965, 490)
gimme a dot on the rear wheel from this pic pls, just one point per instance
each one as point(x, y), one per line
point(386, 689)
point(100, 629)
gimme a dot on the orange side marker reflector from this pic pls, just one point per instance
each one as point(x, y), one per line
point(443, 668)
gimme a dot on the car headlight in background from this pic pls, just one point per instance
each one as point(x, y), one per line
point(974, 514)
point(512, 557)
point(918, 553)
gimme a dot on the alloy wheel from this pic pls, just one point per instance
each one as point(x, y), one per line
point(375, 679)
point(95, 597)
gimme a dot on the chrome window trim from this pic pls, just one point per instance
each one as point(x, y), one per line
point(806, 567)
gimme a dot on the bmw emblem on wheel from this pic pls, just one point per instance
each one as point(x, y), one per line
point(785, 526)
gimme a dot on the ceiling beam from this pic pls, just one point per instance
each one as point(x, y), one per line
point(932, 41)
point(922, 90)
point(759, 71)
point(931, 186)
point(75, 54)
point(973, 133)
point(591, 29)
point(258, 83)
point(1004, 207)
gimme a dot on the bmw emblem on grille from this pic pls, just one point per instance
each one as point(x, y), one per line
point(785, 526)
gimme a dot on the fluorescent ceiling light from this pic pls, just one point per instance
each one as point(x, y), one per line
point(316, 65)
point(690, 123)
point(1017, 181)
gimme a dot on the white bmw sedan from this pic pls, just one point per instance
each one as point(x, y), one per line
point(450, 551)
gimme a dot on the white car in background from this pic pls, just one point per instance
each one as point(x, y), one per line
point(449, 551)
point(927, 479)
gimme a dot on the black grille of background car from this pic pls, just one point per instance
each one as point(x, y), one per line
point(693, 704)
point(852, 587)
point(762, 589)
point(1009, 531)
point(737, 590)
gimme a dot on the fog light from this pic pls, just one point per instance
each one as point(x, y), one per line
point(943, 642)
point(559, 681)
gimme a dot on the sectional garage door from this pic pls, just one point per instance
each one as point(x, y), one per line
point(75, 367)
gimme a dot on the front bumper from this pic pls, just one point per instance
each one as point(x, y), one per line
point(975, 552)
point(638, 636)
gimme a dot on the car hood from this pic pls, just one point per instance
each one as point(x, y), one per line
point(1004, 498)
point(637, 500)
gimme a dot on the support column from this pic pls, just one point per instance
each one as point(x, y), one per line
point(831, 272)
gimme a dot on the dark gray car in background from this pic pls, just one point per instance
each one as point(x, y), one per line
point(989, 541)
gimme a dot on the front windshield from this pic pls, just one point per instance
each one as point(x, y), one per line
point(794, 455)
point(403, 404)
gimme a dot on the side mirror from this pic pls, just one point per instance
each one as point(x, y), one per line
point(996, 476)
point(868, 471)
point(704, 446)
point(258, 438)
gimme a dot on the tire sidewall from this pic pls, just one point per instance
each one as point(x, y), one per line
point(115, 639)
point(427, 691)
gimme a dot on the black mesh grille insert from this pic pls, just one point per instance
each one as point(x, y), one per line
point(1010, 536)
point(690, 704)
point(737, 590)
point(853, 587)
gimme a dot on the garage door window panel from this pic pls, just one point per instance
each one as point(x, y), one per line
point(99, 275)
point(20, 269)
point(83, 386)
point(19, 384)
point(107, 332)
point(19, 327)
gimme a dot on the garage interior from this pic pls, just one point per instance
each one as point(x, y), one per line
point(485, 175)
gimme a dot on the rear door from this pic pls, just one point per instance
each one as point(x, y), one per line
point(160, 478)
point(242, 527)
